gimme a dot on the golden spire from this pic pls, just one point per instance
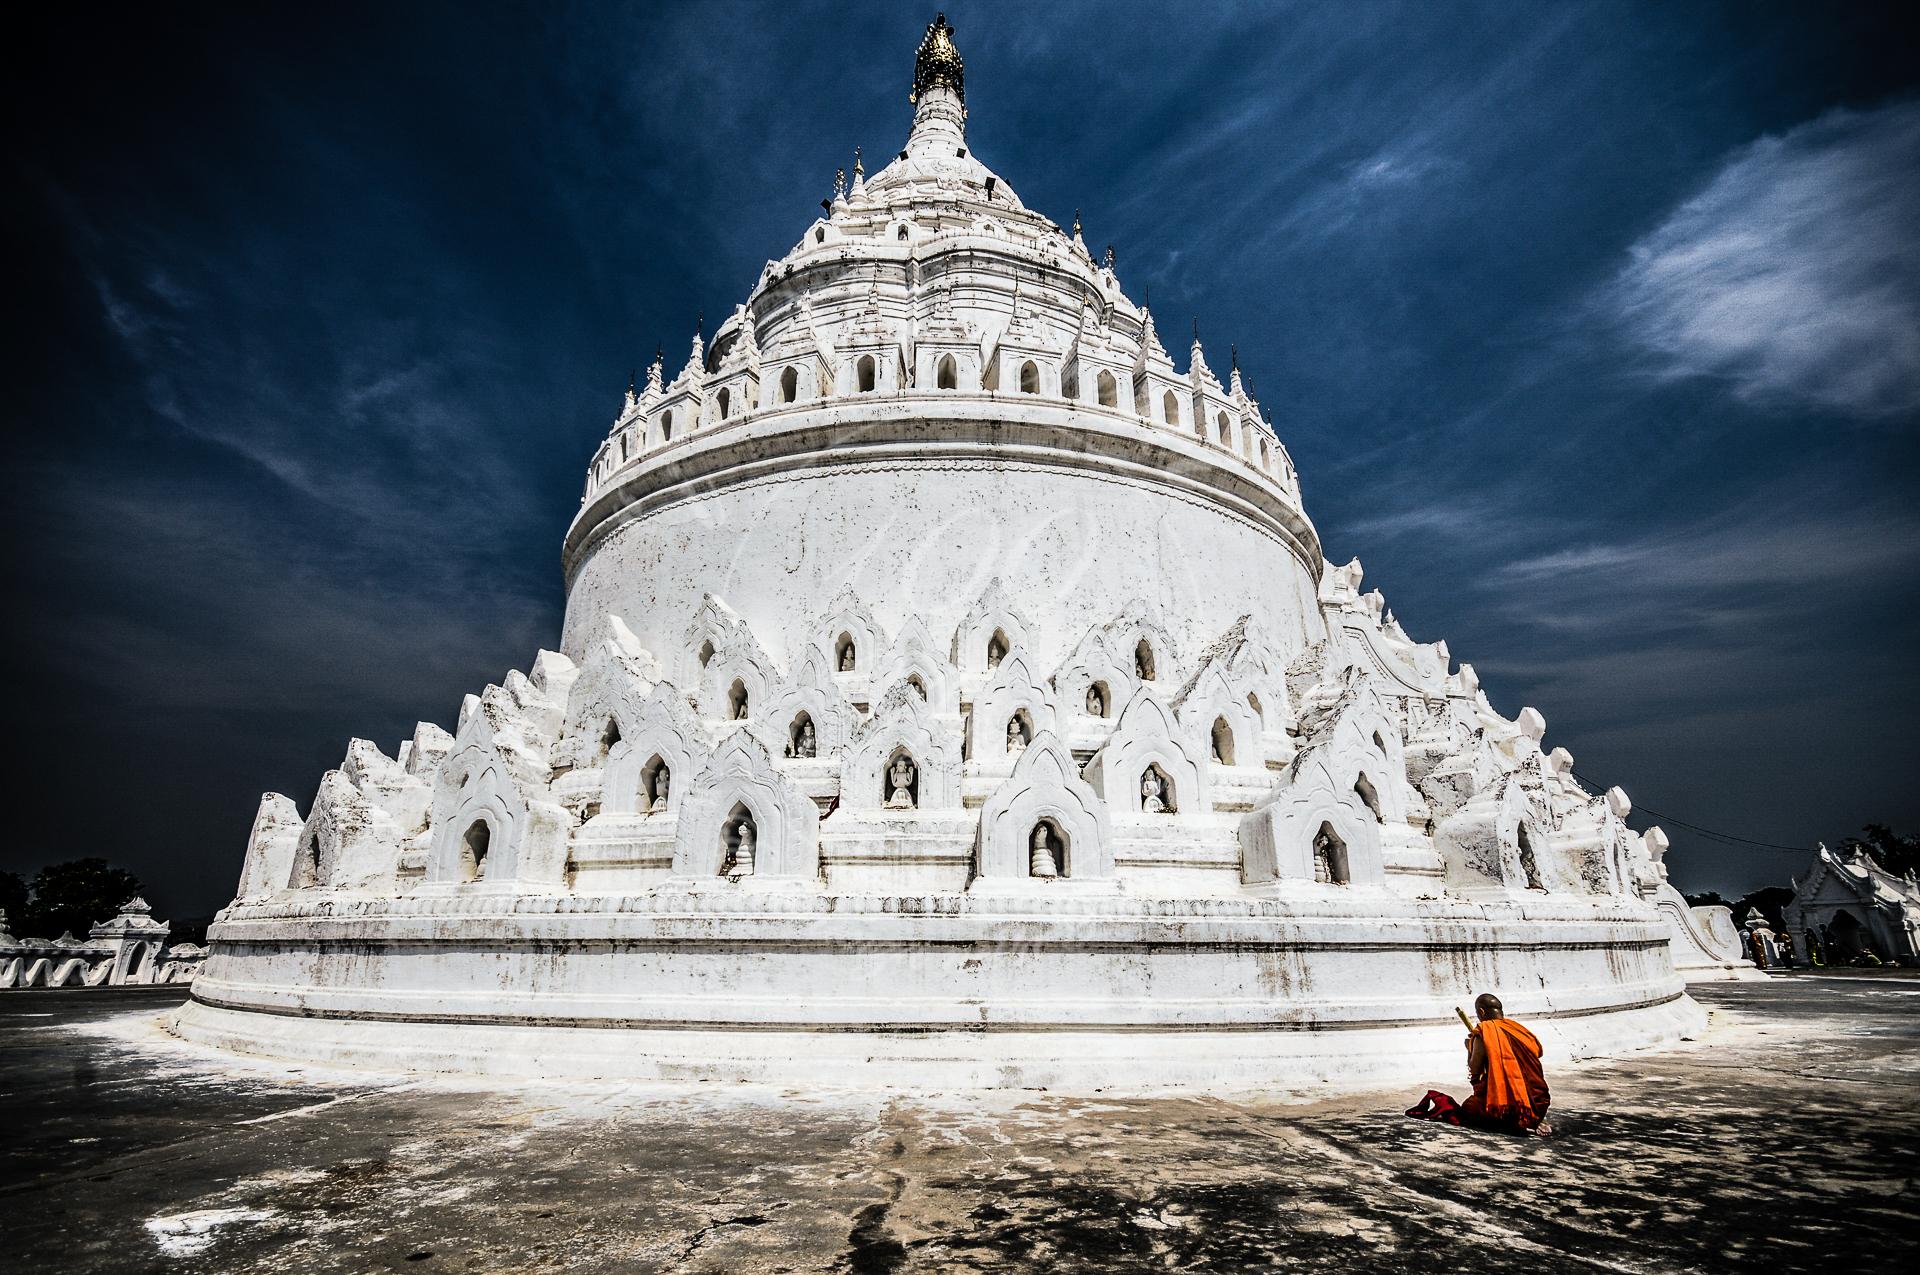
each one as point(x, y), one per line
point(938, 62)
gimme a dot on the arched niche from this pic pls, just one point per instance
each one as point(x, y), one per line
point(664, 743)
point(990, 630)
point(740, 778)
point(1147, 738)
point(1278, 836)
point(902, 724)
point(1015, 698)
point(1045, 789)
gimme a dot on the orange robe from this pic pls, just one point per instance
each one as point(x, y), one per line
point(1509, 1086)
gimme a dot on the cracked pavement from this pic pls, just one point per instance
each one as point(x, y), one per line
point(1785, 1138)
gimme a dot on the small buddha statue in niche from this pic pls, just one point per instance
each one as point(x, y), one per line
point(661, 783)
point(1040, 862)
point(996, 651)
point(743, 853)
point(1152, 792)
point(805, 745)
point(1096, 702)
point(846, 658)
point(900, 784)
point(1016, 738)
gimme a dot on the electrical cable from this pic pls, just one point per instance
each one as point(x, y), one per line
point(1725, 837)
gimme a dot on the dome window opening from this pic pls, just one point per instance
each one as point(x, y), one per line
point(1170, 405)
point(996, 649)
point(1329, 857)
point(900, 782)
point(1226, 434)
point(1029, 377)
point(666, 428)
point(706, 654)
point(1019, 732)
point(738, 849)
point(919, 686)
point(1528, 863)
point(947, 375)
point(1108, 390)
point(307, 872)
point(820, 235)
point(1048, 853)
point(1222, 741)
point(1370, 797)
point(789, 385)
point(802, 742)
point(1143, 661)
point(865, 374)
point(845, 653)
point(1099, 700)
point(656, 785)
point(473, 850)
point(902, 233)
point(609, 737)
point(1156, 791)
point(726, 403)
point(737, 701)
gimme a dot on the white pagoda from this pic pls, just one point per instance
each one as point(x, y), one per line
point(952, 692)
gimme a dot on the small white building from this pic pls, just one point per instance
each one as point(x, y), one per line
point(1849, 905)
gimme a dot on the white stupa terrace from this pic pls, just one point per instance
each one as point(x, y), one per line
point(952, 692)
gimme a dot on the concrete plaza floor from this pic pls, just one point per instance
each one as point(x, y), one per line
point(1786, 1139)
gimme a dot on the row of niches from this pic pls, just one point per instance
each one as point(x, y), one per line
point(899, 763)
point(1195, 404)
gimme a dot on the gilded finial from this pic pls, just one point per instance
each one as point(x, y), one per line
point(1109, 257)
point(938, 62)
point(859, 169)
point(1076, 221)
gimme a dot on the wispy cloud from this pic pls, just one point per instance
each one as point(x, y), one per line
point(1795, 274)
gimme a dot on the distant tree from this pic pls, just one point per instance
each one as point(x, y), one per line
point(1897, 854)
point(1771, 900)
point(1711, 899)
point(13, 899)
point(74, 897)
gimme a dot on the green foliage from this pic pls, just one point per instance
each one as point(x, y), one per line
point(1897, 854)
point(71, 897)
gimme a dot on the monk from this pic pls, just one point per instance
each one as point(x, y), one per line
point(1509, 1088)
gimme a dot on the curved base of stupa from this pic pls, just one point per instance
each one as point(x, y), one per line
point(931, 992)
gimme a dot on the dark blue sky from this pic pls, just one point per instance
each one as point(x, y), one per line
point(1594, 330)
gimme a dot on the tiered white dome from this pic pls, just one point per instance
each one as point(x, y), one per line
point(952, 691)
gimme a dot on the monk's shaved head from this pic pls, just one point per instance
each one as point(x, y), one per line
point(1487, 1005)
